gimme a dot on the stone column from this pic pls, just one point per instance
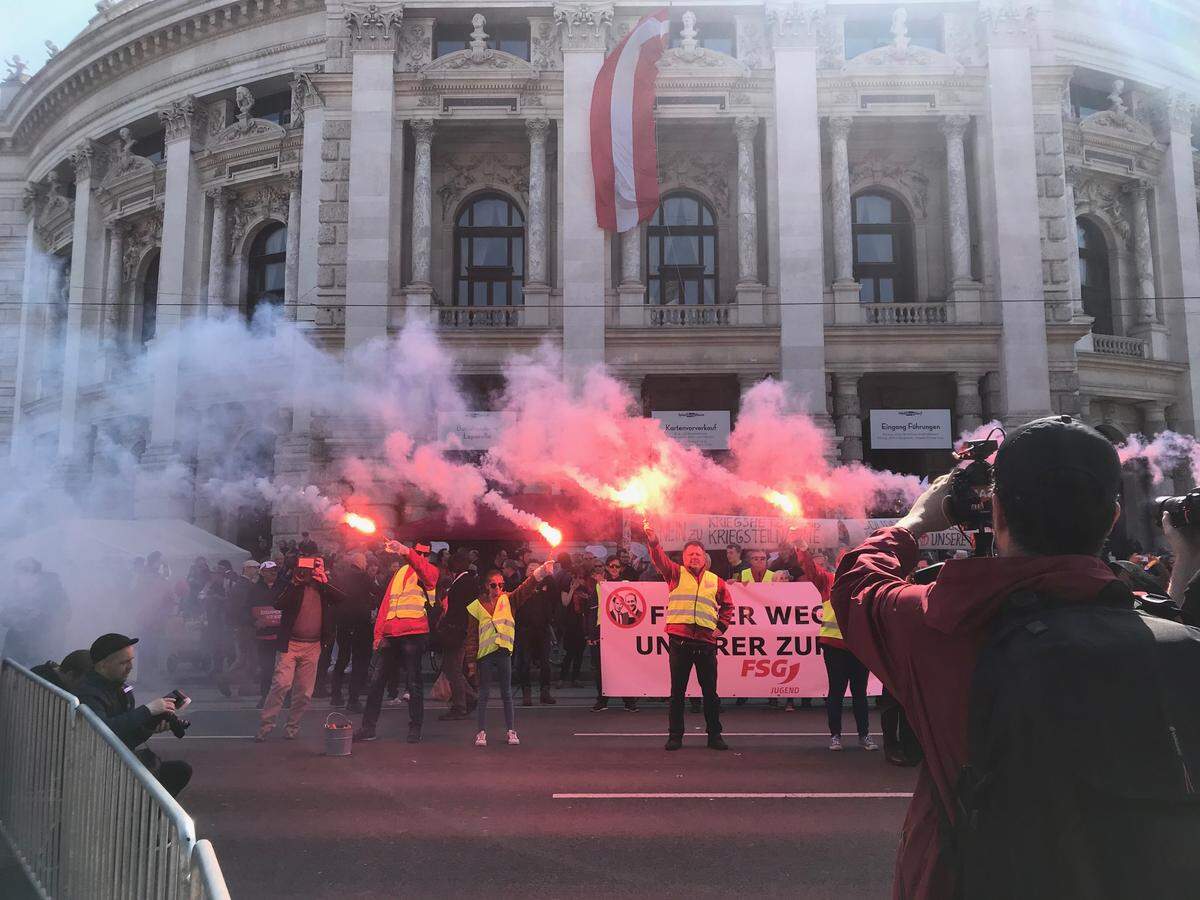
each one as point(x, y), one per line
point(291, 271)
point(1024, 356)
point(964, 290)
point(372, 235)
point(310, 205)
point(218, 251)
point(114, 338)
point(87, 267)
point(583, 28)
point(537, 286)
point(1147, 327)
point(845, 288)
point(33, 308)
point(1075, 285)
point(848, 416)
point(969, 404)
point(1175, 209)
point(419, 293)
point(155, 495)
point(795, 28)
point(749, 288)
point(632, 289)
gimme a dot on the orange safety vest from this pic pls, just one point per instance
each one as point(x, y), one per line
point(694, 602)
point(497, 629)
point(406, 597)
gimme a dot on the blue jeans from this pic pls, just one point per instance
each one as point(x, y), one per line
point(497, 665)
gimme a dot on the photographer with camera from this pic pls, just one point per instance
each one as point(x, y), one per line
point(1057, 721)
point(305, 623)
point(104, 691)
point(1180, 517)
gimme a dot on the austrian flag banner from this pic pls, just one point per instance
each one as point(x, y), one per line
point(624, 158)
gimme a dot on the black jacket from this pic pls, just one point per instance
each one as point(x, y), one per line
point(538, 611)
point(113, 703)
point(1191, 602)
point(288, 599)
point(362, 595)
point(463, 591)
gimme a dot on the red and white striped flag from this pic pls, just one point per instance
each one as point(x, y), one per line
point(624, 158)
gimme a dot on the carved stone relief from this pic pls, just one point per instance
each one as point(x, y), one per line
point(142, 235)
point(546, 52)
point(414, 49)
point(265, 201)
point(907, 173)
point(1092, 195)
point(753, 48)
point(707, 172)
point(124, 161)
point(463, 173)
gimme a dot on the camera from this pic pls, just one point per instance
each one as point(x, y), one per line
point(969, 501)
point(1180, 511)
point(178, 725)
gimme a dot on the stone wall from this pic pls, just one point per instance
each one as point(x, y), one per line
point(334, 216)
point(1057, 233)
point(12, 274)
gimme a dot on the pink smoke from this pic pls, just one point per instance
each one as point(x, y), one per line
point(1166, 452)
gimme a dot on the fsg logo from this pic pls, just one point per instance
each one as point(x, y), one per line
point(781, 669)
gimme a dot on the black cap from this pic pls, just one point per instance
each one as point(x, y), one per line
point(1034, 453)
point(108, 644)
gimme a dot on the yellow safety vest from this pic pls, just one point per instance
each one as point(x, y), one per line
point(406, 597)
point(693, 602)
point(829, 625)
point(748, 577)
point(497, 629)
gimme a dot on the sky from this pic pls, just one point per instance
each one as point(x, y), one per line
point(25, 32)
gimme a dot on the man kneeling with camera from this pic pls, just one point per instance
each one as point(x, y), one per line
point(1061, 736)
point(105, 693)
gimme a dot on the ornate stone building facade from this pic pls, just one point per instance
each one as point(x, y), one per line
point(988, 207)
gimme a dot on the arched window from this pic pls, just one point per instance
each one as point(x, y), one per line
point(1093, 275)
point(268, 260)
point(681, 253)
point(150, 301)
point(882, 249)
point(489, 253)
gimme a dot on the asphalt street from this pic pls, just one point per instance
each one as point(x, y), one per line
point(589, 805)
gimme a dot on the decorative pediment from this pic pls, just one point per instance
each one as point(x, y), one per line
point(909, 56)
point(1118, 122)
point(125, 163)
point(700, 60)
point(473, 61)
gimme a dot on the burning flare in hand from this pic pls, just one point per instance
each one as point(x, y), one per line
point(789, 504)
point(552, 535)
point(359, 523)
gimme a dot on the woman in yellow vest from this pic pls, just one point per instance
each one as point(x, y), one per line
point(491, 633)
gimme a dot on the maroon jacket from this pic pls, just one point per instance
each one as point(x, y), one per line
point(922, 642)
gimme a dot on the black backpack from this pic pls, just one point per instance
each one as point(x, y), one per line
point(1083, 774)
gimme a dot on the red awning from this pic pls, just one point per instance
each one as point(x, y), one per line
point(579, 522)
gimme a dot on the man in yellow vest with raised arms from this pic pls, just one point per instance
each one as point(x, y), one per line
point(491, 634)
point(401, 632)
point(698, 609)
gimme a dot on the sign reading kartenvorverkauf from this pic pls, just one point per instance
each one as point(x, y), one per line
point(705, 429)
point(911, 429)
point(474, 430)
point(770, 650)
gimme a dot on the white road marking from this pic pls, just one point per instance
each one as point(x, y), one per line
point(214, 737)
point(782, 795)
point(701, 734)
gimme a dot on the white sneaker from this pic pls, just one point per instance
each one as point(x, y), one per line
point(513, 739)
point(481, 739)
point(405, 697)
point(835, 743)
point(867, 743)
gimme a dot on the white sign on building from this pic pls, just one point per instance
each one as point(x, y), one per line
point(474, 430)
point(911, 429)
point(706, 429)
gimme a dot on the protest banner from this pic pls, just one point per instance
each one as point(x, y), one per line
point(765, 532)
point(770, 650)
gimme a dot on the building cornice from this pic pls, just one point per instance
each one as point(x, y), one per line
point(122, 44)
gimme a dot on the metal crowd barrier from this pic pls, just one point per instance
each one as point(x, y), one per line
point(82, 815)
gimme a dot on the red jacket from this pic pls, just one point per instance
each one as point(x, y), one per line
point(922, 642)
point(427, 575)
point(670, 572)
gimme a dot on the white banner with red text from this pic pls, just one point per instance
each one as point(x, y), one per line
point(770, 650)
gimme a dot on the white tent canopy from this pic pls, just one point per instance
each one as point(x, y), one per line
point(89, 542)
